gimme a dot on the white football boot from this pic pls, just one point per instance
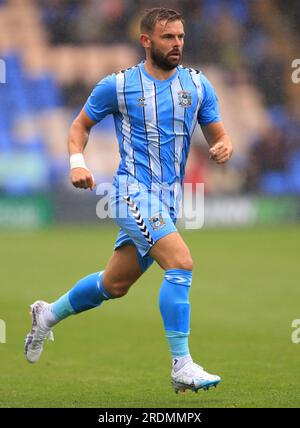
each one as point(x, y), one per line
point(191, 376)
point(39, 333)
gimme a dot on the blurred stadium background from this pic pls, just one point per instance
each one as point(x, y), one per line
point(53, 52)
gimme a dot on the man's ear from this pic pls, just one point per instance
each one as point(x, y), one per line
point(145, 40)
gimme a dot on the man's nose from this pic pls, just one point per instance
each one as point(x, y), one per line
point(177, 41)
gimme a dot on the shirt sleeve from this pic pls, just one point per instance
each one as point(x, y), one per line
point(103, 99)
point(209, 110)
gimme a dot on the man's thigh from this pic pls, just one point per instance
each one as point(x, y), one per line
point(171, 252)
point(144, 220)
point(123, 268)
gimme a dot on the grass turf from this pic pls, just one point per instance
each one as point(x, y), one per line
point(244, 297)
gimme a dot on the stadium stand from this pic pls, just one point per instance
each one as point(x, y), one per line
point(62, 48)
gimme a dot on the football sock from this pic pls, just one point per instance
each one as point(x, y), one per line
point(88, 293)
point(175, 310)
point(179, 362)
point(48, 316)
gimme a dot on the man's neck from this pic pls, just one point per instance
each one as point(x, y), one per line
point(157, 73)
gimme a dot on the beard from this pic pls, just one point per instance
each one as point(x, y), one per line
point(165, 62)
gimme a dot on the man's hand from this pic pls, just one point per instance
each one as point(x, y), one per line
point(82, 178)
point(219, 141)
point(221, 151)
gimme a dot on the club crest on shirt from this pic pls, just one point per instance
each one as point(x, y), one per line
point(185, 98)
point(141, 102)
point(157, 221)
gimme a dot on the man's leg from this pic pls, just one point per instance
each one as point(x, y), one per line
point(173, 255)
point(122, 270)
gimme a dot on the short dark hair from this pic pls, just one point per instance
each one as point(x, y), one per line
point(152, 16)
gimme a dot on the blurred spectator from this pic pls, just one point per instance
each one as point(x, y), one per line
point(291, 9)
point(234, 35)
point(268, 153)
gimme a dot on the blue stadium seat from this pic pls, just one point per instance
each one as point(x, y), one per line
point(14, 69)
point(34, 144)
point(31, 170)
point(274, 183)
point(294, 181)
point(294, 161)
point(46, 92)
point(24, 172)
point(5, 134)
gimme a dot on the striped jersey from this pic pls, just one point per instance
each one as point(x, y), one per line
point(154, 120)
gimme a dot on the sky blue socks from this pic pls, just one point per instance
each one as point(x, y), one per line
point(174, 305)
point(88, 293)
point(175, 309)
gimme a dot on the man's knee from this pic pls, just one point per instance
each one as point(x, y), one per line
point(118, 288)
point(180, 259)
point(121, 271)
point(183, 261)
point(171, 252)
point(116, 293)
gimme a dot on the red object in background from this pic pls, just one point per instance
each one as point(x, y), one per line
point(196, 168)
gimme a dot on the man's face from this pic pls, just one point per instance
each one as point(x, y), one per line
point(166, 46)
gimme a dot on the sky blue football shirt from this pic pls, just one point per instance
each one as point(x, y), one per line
point(154, 120)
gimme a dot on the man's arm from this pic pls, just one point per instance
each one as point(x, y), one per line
point(219, 142)
point(78, 137)
point(102, 101)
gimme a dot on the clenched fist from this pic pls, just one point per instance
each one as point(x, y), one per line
point(221, 152)
point(82, 178)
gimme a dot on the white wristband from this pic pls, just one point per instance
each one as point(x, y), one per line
point(77, 161)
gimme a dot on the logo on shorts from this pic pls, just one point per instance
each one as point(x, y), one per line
point(185, 99)
point(157, 221)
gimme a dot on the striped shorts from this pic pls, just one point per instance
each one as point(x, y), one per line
point(143, 219)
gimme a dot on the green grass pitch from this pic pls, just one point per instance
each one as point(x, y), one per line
point(245, 295)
